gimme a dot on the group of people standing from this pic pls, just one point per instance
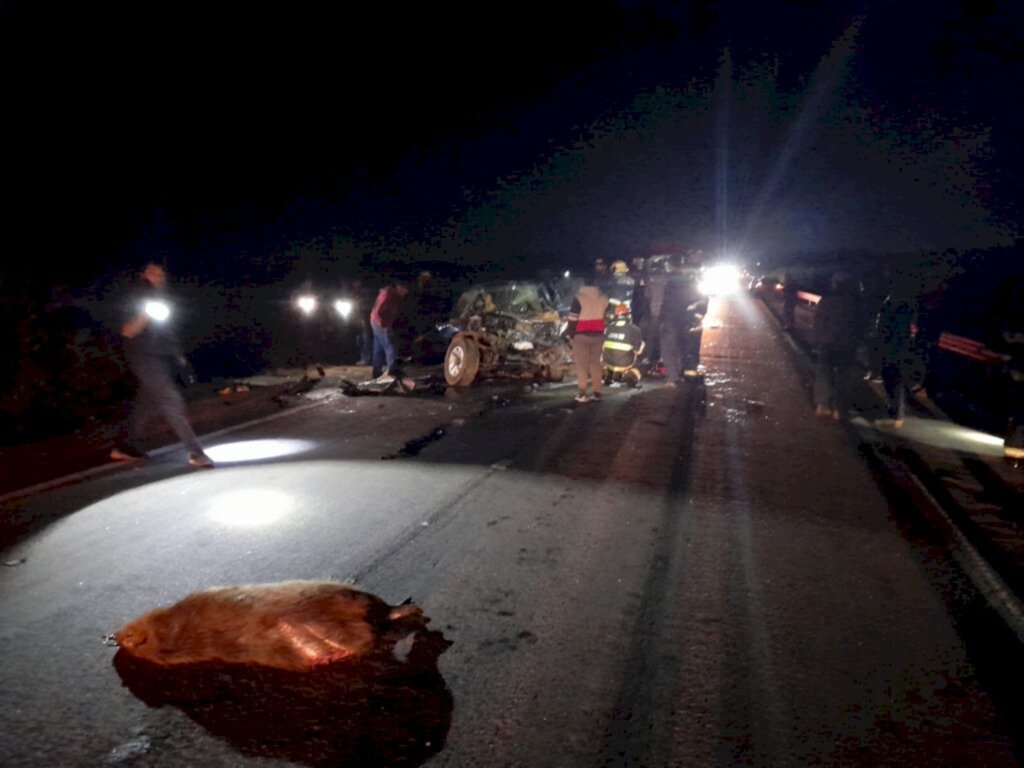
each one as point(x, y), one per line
point(383, 315)
point(615, 312)
point(902, 337)
point(150, 347)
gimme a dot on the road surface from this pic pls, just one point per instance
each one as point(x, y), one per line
point(706, 576)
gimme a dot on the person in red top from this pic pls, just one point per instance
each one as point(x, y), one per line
point(586, 330)
point(382, 321)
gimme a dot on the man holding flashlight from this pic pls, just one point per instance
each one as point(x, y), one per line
point(151, 349)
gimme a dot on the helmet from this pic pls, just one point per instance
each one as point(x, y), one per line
point(619, 266)
point(621, 309)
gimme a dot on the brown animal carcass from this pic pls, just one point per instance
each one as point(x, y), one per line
point(292, 625)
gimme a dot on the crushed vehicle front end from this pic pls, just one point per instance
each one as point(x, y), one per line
point(507, 329)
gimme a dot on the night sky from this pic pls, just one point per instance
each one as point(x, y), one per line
point(527, 133)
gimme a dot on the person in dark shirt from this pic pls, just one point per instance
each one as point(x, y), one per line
point(682, 317)
point(789, 302)
point(362, 298)
point(151, 350)
point(837, 334)
point(1012, 347)
point(893, 344)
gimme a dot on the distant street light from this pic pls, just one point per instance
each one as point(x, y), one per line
point(307, 304)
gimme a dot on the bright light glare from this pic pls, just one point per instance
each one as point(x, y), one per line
point(158, 310)
point(343, 307)
point(720, 280)
point(306, 303)
point(982, 439)
point(251, 507)
point(942, 434)
point(566, 275)
point(255, 450)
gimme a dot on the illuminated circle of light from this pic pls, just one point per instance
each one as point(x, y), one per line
point(157, 310)
point(306, 303)
point(251, 507)
point(256, 450)
point(343, 307)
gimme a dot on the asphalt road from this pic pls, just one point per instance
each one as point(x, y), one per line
point(704, 576)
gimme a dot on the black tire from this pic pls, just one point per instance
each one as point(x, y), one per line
point(461, 362)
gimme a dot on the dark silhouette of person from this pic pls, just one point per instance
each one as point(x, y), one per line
point(789, 302)
point(682, 317)
point(837, 334)
point(893, 344)
point(151, 350)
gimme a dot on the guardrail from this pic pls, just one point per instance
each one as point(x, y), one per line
point(975, 350)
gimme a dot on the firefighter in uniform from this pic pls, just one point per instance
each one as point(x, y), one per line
point(623, 347)
point(620, 287)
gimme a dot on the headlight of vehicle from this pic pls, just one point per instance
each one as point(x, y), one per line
point(719, 280)
point(343, 307)
point(306, 304)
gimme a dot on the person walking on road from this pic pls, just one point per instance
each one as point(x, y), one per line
point(586, 332)
point(385, 312)
point(151, 350)
point(837, 335)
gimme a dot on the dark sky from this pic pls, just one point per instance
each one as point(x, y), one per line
point(527, 132)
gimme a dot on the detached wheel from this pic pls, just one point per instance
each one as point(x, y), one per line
point(461, 362)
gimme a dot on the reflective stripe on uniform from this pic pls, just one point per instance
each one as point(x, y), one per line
point(618, 346)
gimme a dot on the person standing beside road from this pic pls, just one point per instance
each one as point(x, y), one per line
point(837, 335)
point(789, 302)
point(151, 349)
point(893, 343)
point(929, 329)
point(586, 332)
point(655, 280)
point(1013, 345)
point(383, 316)
point(362, 303)
point(682, 319)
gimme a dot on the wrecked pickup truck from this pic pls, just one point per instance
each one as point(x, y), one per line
point(507, 329)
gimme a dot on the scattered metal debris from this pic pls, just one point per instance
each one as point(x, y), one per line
point(414, 446)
